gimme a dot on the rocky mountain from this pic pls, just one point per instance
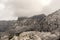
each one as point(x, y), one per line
point(52, 22)
point(28, 24)
point(4, 25)
point(35, 35)
point(23, 24)
point(38, 27)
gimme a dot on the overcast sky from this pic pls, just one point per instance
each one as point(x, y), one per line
point(9, 9)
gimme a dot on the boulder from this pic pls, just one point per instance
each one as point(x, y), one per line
point(35, 35)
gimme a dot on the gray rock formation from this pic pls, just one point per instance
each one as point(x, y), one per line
point(5, 25)
point(35, 35)
point(37, 27)
point(51, 22)
point(24, 24)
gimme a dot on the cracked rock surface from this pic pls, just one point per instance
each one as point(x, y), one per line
point(35, 35)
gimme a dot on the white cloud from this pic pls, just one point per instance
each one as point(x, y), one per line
point(9, 8)
point(27, 7)
point(2, 6)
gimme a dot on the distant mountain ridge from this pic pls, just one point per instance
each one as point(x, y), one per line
point(49, 26)
point(5, 24)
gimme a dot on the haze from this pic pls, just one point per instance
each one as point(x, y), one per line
point(11, 9)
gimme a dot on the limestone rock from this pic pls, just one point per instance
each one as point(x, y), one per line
point(28, 24)
point(51, 22)
point(35, 35)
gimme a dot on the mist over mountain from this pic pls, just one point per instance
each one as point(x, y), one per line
point(37, 27)
point(4, 25)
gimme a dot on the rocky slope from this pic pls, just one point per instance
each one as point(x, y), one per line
point(52, 22)
point(27, 24)
point(38, 27)
point(33, 35)
point(4, 25)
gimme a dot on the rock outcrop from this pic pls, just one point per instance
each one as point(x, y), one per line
point(39, 27)
point(24, 24)
point(52, 22)
point(35, 35)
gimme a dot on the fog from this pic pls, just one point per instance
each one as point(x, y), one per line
point(11, 9)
